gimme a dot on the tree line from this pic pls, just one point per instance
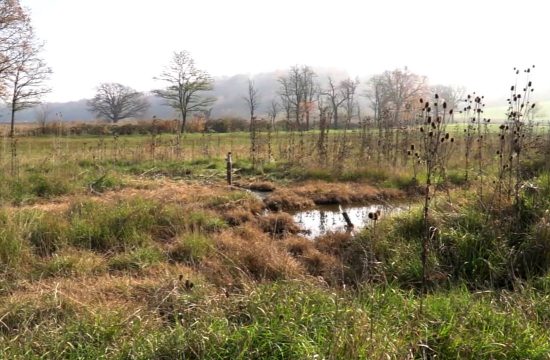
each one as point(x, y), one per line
point(302, 96)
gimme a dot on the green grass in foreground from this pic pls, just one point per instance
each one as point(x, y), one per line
point(289, 320)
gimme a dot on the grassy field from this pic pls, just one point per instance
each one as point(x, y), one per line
point(135, 247)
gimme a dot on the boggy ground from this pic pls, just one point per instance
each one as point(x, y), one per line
point(163, 269)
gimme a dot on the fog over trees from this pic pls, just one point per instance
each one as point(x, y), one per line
point(229, 91)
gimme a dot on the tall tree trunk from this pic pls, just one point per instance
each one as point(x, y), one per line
point(12, 125)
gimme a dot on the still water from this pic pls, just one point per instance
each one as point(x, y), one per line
point(325, 219)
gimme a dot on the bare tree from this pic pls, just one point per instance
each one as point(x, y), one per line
point(376, 95)
point(452, 95)
point(115, 102)
point(335, 99)
point(27, 78)
point(402, 88)
point(272, 112)
point(348, 89)
point(186, 84)
point(42, 113)
point(252, 100)
point(297, 91)
point(14, 30)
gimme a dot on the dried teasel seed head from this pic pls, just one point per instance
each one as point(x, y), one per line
point(451, 112)
point(442, 139)
point(431, 133)
point(436, 96)
point(452, 140)
point(371, 215)
point(447, 135)
point(412, 146)
point(444, 105)
point(421, 100)
point(409, 152)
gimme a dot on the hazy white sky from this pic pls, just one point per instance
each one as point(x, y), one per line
point(470, 43)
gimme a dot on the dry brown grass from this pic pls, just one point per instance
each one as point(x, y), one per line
point(322, 193)
point(261, 186)
point(278, 224)
point(314, 261)
point(236, 217)
point(252, 254)
point(306, 195)
point(333, 243)
point(287, 200)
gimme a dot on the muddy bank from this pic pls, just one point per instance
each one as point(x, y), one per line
point(310, 194)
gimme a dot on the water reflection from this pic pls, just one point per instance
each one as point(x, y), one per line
point(329, 218)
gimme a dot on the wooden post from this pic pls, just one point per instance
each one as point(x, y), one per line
point(346, 218)
point(229, 169)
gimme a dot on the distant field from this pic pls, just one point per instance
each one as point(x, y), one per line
point(499, 112)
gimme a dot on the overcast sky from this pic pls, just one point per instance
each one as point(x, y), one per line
point(471, 43)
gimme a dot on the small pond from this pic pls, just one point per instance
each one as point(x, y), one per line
point(325, 219)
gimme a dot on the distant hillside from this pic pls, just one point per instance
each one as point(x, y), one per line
point(229, 92)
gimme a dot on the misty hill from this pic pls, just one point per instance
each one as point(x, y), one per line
point(229, 92)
